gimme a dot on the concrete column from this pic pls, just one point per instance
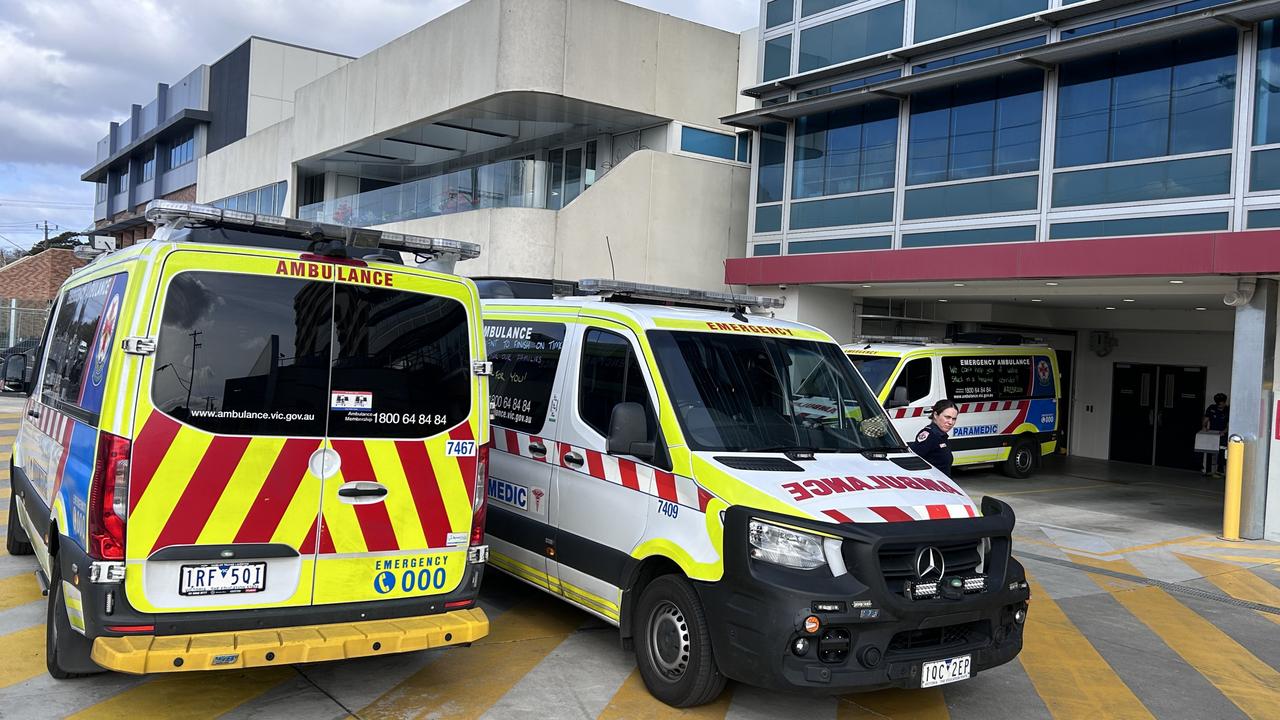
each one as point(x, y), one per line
point(827, 309)
point(162, 103)
point(1271, 529)
point(1252, 369)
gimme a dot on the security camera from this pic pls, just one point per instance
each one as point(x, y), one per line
point(782, 288)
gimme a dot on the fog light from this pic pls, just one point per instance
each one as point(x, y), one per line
point(800, 647)
point(1020, 615)
point(974, 584)
point(870, 656)
point(812, 624)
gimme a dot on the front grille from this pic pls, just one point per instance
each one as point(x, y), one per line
point(898, 562)
point(951, 638)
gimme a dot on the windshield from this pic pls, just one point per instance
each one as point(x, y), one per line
point(875, 370)
point(742, 393)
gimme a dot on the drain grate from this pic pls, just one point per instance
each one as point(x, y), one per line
point(1163, 585)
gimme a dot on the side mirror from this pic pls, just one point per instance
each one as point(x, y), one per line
point(15, 372)
point(899, 398)
point(628, 432)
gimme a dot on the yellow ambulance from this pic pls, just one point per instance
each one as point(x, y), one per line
point(1007, 396)
point(724, 488)
point(255, 441)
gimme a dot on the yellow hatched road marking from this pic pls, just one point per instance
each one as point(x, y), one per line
point(5, 492)
point(1151, 546)
point(187, 695)
point(1237, 582)
point(1072, 678)
point(466, 683)
point(19, 590)
point(23, 655)
point(633, 702)
point(1251, 559)
point(161, 495)
point(1245, 680)
point(247, 480)
point(452, 490)
point(1270, 547)
point(340, 518)
point(400, 506)
point(925, 704)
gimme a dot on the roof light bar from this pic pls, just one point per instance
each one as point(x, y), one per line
point(684, 296)
point(169, 212)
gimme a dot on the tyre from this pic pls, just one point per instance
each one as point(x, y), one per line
point(673, 644)
point(1022, 458)
point(66, 652)
point(15, 538)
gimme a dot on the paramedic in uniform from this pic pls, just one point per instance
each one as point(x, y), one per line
point(931, 443)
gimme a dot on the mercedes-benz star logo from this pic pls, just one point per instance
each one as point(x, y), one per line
point(929, 564)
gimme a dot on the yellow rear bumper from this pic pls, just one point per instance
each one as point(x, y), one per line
point(139, 654)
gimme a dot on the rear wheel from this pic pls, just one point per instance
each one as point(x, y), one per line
point(66, 652)
point(15, 538)
point(1022, 458)
point(673, 644)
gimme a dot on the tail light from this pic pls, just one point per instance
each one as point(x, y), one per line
point(109, 498)
point(480, 508)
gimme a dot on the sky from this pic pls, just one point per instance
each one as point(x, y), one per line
point(70, 67)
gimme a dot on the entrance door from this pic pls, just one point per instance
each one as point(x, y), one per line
point(1155, 414)
point(1133, 393)
point(1179, 412)
point(571, 171)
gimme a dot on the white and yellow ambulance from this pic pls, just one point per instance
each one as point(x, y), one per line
point(255, 441)
point(1007, 396)
point(662, 459)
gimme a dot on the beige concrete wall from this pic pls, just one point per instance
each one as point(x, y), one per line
point(748, 56)
point(827, 309)
point(259, 159)
point(670, 220)
point(601, 51)
point(276, 71)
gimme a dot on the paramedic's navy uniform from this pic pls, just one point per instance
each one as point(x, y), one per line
point(931, 444)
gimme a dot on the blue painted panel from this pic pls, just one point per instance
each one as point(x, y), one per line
point(77, 474)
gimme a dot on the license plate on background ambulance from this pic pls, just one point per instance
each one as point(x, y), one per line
point(941, 672)
point(223, 578)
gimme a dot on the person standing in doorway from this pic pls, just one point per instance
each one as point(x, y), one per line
point(1216, 417)
point(931, 442)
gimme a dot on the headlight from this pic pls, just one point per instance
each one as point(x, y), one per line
point(786, 547)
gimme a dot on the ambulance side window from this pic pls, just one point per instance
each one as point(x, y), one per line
point(80, 343)
point(610, 375)
point(913, 383)
point(525, 356)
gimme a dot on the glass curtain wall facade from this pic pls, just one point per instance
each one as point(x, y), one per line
point(1180, 135)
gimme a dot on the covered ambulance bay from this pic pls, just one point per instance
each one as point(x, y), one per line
point(1140, 360)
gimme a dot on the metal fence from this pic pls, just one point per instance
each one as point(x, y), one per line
point(19, 321)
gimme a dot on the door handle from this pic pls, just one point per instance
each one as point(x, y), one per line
point(573, 458)
point(361, 492)
point(537, 448)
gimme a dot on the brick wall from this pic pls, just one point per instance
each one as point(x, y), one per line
point(138, 233)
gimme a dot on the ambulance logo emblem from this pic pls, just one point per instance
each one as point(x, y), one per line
point(1043, 372)
point(103, 348)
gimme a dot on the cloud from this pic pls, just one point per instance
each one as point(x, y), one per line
point(70, 67)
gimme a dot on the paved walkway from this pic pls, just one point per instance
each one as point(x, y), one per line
point(1137, 612)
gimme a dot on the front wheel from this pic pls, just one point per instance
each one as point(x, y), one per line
point(673, 644)
point(1022, 459)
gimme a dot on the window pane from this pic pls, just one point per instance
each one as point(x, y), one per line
point(411, 351)
point(845, 151)
point(1019, 112)
point(1259, 219)
point(777, 58)
point(1266, 125)
point(1140, 103)
point(744, 147)
point(525, 356)
point(1264, 170)
point(1139, 226)
point(812, 7)
point(866, 33)
point(973, 124)
point(1149, 181)
point(778, 12)
point(935, 18)
point(857, 210)
point(79, 350)
point(765, 249)
point(610, 375)
point(993, 196)
point(1026, 233)
point(877, 242)
point(245, 354)
point(1084, 112)
point(773, 156)
point(1203, 94)
point(768, 218)
point(703, 142)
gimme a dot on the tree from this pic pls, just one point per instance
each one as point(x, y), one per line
point(65, 241)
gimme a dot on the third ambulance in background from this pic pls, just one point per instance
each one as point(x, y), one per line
point(1007, 396)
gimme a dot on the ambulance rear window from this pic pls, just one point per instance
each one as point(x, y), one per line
point(245, 354)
